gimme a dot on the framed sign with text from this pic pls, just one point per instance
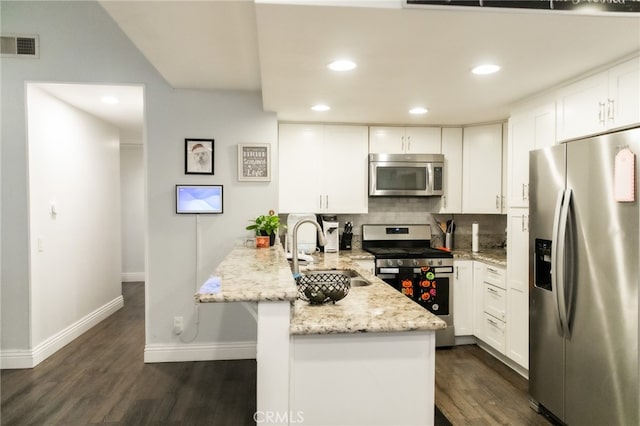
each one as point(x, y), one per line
point(254, 162)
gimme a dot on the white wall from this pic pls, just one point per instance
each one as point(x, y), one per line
point(74, 253)
point(95, 50)
point(132, 211)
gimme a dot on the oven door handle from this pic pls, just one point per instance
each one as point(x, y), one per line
point(394, 271)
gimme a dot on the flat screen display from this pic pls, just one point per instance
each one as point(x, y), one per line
point(198, 199)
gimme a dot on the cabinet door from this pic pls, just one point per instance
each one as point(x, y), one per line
point(386, 140)
point(505, 156)
point(623, 104)
point(582, 107)
point(463, 297)
point(521, 141)
point(451, 201)
point(482, 176)
point(345, 175)
point(517, 344)
point(529, 129)
point(300, 168)
point(423, 140)
point(479, 274)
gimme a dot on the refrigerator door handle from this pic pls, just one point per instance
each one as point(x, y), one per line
point(554, 260)
point(562, 263)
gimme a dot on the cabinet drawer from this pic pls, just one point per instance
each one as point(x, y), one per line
point(495, 301)
point(496, 277)
point(494, 333)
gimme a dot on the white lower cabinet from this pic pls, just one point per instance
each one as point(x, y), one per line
point(518, 286)
point(494, 299)
point(463, 297)
point(494, 332)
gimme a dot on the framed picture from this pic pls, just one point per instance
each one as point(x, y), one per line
point(254, 162)
point(198, 156)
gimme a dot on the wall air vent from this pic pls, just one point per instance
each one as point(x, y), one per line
point(23, 46)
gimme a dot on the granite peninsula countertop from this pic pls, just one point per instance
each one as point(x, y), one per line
point(373, 308)
point(250, 275)
point(254, 275)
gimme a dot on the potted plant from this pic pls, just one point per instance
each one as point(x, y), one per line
point(266, 225)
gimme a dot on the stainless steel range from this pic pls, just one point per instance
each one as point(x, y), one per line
point(405, 260)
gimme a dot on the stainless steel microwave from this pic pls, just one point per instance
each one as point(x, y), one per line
point(414, 175)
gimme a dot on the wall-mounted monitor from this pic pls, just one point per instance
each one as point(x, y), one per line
point(198, 199)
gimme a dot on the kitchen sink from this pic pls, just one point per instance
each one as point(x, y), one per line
point(356, 278)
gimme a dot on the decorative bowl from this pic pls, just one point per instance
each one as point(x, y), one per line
point(319, 288)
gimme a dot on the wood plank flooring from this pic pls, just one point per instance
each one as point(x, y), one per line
point(474, 388)
point(101, 378)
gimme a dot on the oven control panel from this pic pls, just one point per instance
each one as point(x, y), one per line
point(405, 263)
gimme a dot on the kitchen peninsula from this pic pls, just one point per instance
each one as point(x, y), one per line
point(367, 359)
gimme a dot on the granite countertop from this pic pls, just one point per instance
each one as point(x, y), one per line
point(496, 257)
point(373, 308)
point(250, 275)
point(254, 275)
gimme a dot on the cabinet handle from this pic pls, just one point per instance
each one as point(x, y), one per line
point(457, 272)
point(444, 201)
point(408, 143)
point(526, 222)
point(610, 109)
point(526, 192)
point(402, 138)
point(326, 201)
point(522, 223)
point(497, 202)
point(601, 112)
point(492, 322)
point(523, 192)
point(494, 291)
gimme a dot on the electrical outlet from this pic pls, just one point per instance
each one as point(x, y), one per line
point(178, 325)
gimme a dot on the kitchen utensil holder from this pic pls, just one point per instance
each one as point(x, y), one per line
point(345, 241)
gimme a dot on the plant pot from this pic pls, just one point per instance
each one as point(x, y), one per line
point(272, 237)
point(262, 241)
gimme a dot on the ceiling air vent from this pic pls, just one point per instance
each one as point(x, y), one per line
point(19, 46)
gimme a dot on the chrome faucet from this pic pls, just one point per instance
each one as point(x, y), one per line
point(294, 249)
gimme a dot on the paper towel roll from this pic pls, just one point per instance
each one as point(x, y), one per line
point(474, 237)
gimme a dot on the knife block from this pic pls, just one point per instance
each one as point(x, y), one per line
point(345, 241)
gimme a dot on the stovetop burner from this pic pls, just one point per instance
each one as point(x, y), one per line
point(408, 252)
point(400, 242)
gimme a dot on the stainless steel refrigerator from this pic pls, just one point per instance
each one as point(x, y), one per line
point(584, 274)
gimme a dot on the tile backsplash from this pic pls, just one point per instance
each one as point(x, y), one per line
point(417, 210)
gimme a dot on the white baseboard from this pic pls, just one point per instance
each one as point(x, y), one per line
point(199, 352)
point(12, 359)
point(128, 277)
point(505, 360)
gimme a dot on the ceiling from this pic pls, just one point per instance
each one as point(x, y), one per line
point(406, 56)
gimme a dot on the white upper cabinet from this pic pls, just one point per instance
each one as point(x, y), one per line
point(404, 140)
point(601, 102)
point(323, 169)
point(530, 128)
point(482, 175)
point(451, 201)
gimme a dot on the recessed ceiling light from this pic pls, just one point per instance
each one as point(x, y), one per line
point(485, 69)
point(418, 110)
point(320, 108)
point(111, 100)
point(342, 65)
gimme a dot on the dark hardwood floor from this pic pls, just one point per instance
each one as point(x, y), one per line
point(101, 378)
point(474, 388)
